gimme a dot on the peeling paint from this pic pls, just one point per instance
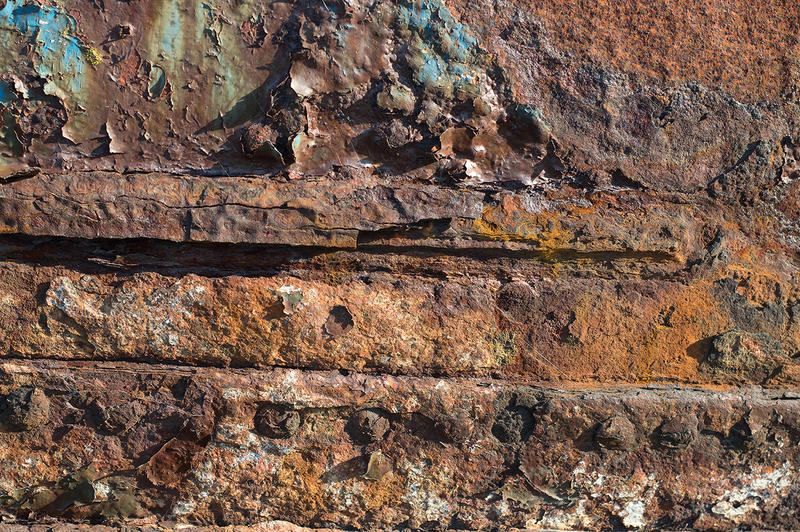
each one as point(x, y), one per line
point(60, 57)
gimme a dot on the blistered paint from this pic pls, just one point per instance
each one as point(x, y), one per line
point(175, 88)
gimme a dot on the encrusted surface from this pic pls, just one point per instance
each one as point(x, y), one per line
point(399, 264)
point(579, 316)
point(324, 449)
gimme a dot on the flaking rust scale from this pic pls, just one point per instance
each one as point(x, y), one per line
point(402, 265)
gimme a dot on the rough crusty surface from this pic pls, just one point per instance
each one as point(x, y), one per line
point(414, 264)
point(231, 447)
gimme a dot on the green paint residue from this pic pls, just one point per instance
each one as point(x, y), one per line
point(194, 42)
point(9, 137)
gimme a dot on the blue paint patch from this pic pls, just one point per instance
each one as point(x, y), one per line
point(52, 31)
point(6, 94)
point(431, 71)
point(527, 112)
point(447, 57)
point(172, 31)
point(158, 82)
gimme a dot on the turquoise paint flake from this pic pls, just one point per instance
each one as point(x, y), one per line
point(6, 94)
point(172, 32)
point(59, 51)
point(444, 56)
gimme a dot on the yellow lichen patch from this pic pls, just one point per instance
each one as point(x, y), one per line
point(93, 56)
point(504, 348)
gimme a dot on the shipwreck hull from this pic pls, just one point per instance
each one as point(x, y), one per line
point(408, 264)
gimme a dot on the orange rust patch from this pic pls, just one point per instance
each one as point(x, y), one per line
point(680, 340)
point(510, 221)
point(298, 489)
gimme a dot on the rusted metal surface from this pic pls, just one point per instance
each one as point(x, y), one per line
point(377, 452)
point(413, 263)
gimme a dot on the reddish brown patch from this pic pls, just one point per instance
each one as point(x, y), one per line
point(253, 32)
point(129, 68)
point(168, 466)
point(790, 204)
point(745, 47)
